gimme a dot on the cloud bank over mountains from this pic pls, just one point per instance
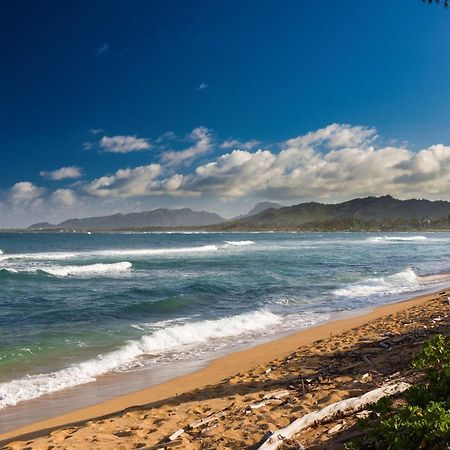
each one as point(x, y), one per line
point(331, 164)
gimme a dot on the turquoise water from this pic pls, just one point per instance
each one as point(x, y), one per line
point(76, 306)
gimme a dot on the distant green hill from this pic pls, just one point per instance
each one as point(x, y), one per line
point(360, 214)
point(161, 218)
point(370, 213)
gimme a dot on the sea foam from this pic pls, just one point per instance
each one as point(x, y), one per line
point(109, 253)
point(238, 243)
point(176, 338)
point(397, 238)
point(90, 270)
point(404, 281)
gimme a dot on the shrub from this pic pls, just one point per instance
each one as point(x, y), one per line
point(422, 419)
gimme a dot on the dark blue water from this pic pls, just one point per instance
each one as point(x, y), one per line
point(76, 306)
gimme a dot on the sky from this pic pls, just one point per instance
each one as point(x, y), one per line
point(215, 105)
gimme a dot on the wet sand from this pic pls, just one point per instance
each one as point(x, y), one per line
point(316, 366)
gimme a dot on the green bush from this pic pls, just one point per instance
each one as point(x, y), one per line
point(422, 420)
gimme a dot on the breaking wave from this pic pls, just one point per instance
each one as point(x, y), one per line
point(397, 238)
point(98, 269)
point(238, 243)
point(404, 281)
point(171, 339)
point(109, 253)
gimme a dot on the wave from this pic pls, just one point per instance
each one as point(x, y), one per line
point(174, 338)
point(89, 270)
point(109, 253)
point(404, 281)
point(238, 243)
point(114, 253)
point(99, 269)
point(397, 238)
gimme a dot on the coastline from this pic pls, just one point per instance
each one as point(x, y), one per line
point(216, 371)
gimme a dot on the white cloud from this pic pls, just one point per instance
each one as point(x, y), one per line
point(24, 193)
point(124, 144)
point(331, 164)
point(139, 181)
point(87, 145)
point(62, 174)
point(237, 144)
point(335, 136)
point(64, 197)
point(203, 142)
point(201, 86)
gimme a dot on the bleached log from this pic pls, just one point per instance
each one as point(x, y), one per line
point(176, 435)
point(163, 445)
point(257, 405)
point(276, 395)
point(206, 420)
point(339, 409)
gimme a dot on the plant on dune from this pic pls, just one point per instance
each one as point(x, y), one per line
point(421, 419)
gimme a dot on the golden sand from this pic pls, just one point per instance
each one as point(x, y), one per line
point(316, 366)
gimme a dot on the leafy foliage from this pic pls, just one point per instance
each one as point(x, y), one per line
point(422, 420)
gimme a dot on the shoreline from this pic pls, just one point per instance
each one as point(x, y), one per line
point(216, 370)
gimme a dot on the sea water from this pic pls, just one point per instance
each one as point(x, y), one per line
point(77, 306)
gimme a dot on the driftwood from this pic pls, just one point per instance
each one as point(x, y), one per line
point(342, 408)
point(268, 398)
point(176, 435)
point(211, 418)
point(164, 445)
point(276, 395)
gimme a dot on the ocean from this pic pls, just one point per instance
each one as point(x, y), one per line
point(77, 306)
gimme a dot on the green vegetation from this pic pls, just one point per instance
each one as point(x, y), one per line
point(360, 214)
point(421, 419)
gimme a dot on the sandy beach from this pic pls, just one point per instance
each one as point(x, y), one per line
point(307, 371)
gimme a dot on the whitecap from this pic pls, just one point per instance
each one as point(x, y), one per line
point(404, 281)
point(175, 338)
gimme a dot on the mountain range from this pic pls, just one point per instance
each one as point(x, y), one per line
point(158, 218)
point(369, 213)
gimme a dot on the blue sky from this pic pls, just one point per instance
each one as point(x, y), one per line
point(128, 106)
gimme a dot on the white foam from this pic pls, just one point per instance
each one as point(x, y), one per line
point(397, 238)
point(175, 338)
point(88, 270)
point(404, 281)
point(109, 253)
point(239, 243)
point(99, 269)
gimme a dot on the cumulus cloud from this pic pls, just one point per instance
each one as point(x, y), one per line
point(237, 144)
point(64, 197)
point(24, 193)
point(335, 136)
point(334, 163)
point(62, 174)
point(127, 182)
point(202, 144)
point(124, 144)
point(330, 164)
